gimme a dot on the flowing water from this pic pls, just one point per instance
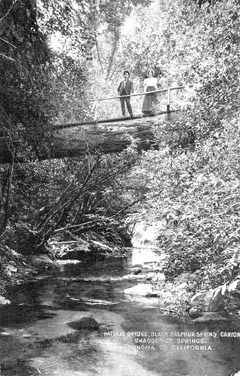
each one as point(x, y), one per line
point(134, 338)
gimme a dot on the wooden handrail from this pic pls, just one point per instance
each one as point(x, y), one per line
point(139, 94)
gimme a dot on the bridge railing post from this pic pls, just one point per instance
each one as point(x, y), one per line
point(168, 100)
point(95, 110)
point(168, 103)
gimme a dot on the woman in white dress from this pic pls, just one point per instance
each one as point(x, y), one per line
point(150, 84)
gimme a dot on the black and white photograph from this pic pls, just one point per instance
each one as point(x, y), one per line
point(119, 188)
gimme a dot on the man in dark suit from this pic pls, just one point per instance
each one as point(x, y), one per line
point(126, 88)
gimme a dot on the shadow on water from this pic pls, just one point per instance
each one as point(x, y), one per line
point(134, 339)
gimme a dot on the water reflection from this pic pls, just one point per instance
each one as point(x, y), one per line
point(133, 339)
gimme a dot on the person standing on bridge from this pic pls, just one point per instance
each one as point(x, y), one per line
point(125, 89)
point(150, 84)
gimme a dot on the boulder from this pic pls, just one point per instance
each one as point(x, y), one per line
point(87, 323)
point(136, 271)
point(207, 317)
point(150, 276)
point(138, 266)
point(133, 277)
point(142, 289)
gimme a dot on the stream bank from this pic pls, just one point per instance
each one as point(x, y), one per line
point(18, 268)
point(81, 322)
point(146, 274)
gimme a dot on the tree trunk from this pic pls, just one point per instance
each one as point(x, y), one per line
point(5, 153)
point(105, 137)
point(109, 137)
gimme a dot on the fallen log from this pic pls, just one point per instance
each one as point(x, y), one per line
point(109, 136)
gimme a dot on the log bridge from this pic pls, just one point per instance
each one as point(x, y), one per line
point(100, 136)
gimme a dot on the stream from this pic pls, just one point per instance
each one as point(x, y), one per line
point(134, 337)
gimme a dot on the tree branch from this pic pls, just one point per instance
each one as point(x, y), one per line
point(6, 41)
point(7, 57)
point(98, 55)
point(114, 49)
point(68, 203)
point(9, 10)
point(6, 204)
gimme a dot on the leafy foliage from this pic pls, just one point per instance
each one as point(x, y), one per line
point(194, 196)
point(23, 72)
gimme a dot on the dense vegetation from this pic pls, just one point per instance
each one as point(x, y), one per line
point(55, 57)
point(193, 181)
